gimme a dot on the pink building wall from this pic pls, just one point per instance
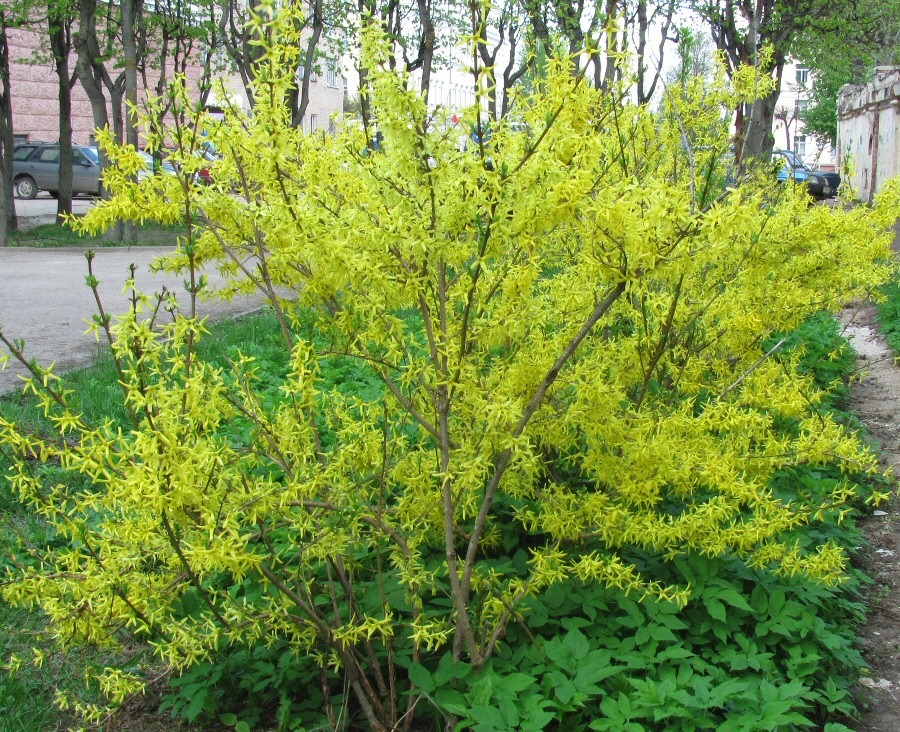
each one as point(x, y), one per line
point(36, 106)
point(35, 97)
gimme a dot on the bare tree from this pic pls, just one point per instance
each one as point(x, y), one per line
point(8, 221)
point(95, 76)
point(60, 17)
point(742, 29)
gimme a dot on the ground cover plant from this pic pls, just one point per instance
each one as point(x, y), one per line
point(537, 396)
point(785, 644)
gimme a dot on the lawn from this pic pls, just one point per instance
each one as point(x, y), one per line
point(54, 235)
point(27, 694)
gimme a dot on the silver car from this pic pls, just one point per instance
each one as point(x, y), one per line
point(36, 168)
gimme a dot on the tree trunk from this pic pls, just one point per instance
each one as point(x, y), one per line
point(612, 46)
point(758, 138)
point(299, 101)
point(60, 44)
point(129, 53)
point(426, 45)
point(8, 221)
point(91, 74)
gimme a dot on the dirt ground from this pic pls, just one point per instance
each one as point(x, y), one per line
point(875, 399)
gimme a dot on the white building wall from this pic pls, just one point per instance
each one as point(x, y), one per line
point(869, 131)
point(326, 99)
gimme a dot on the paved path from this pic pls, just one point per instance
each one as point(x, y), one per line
point(44, 207)
point(45, 301)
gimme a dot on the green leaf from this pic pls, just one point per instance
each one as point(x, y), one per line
point(486, 718)
point(662, 634)
point(716, 610)
point(448, 669)
point(514, 683)
point(735, 599)
point(421, 677)
point(565, 691)
point(482, 690)
point(228, 719)
point(577, 644)
point(452, 701)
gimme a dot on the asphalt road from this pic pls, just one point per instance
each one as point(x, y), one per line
point(45, 301)
point(45, 205)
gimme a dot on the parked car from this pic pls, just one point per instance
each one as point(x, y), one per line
point(209, 156)
point(790, 167)
point(36, 168)
point(165, 167)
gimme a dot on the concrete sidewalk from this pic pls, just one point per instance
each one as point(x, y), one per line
point(44, 300)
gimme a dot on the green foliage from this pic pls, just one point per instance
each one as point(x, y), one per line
point(822, 353)
point(889, 314)
point(524, 411)
point(24, 706)
point(27, 693)
point(844, 48)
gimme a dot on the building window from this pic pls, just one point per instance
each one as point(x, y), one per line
point(800, 145)
point(331, 78)
point(802, 75)
point(301, 70)
point(800, 107)
point(313, 123)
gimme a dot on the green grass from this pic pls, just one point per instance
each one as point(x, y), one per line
point(26, 696)
point(53, 235)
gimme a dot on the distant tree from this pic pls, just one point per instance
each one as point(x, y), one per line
point(846, 53)
point(791, 118)
point(766, 33)
point(695, 57)
point(60, 19)
point(102, 40)
point(7, 141)
point(510, 27)
point(611, 27)
point(320, 28)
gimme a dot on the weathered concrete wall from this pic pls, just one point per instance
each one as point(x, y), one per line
point(869, 131)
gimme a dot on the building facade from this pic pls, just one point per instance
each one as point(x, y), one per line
point(35, 97)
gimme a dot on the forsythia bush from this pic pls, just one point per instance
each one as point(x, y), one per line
point(573, 328)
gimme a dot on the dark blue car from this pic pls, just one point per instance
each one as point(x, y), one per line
point(790, 166)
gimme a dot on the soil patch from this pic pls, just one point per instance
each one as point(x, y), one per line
point(875, 399)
